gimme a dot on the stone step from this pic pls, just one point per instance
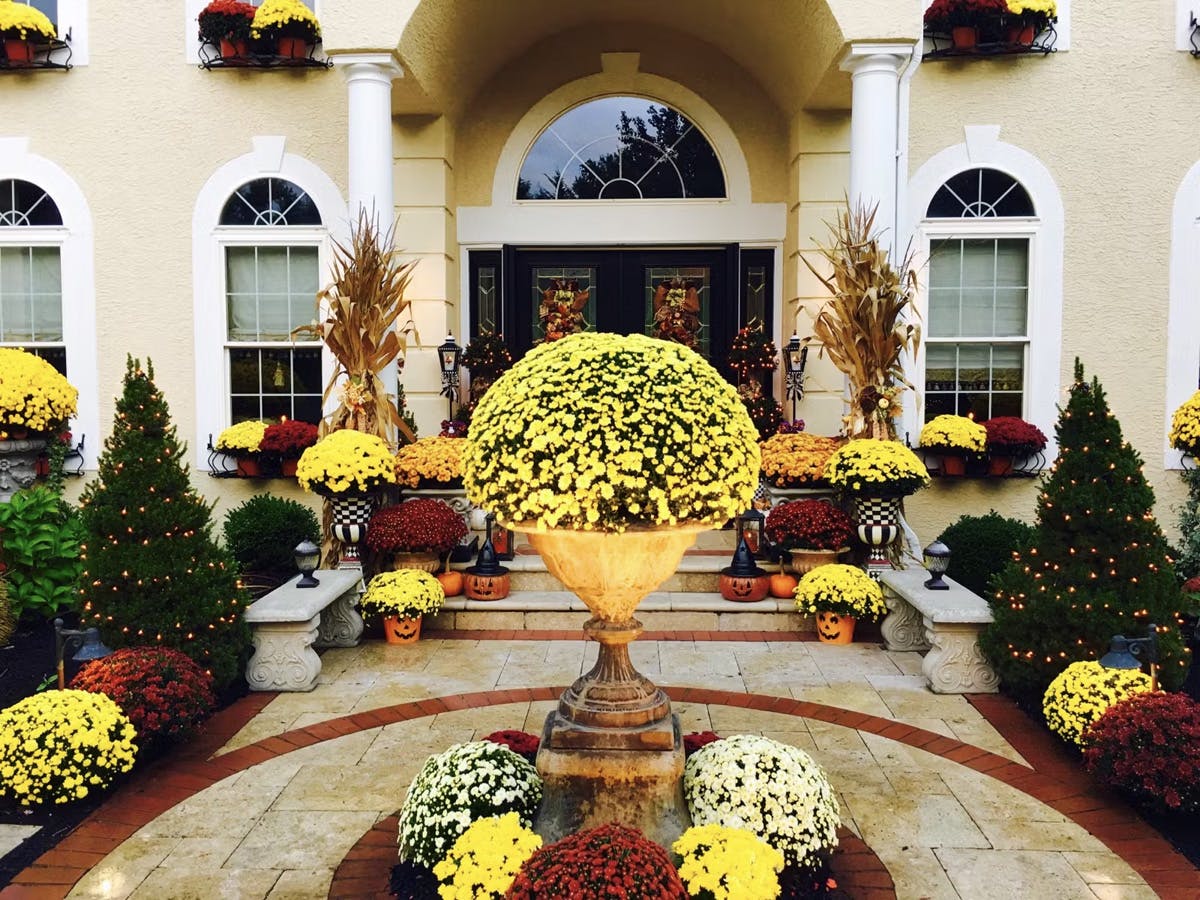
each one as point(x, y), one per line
point(526, 610)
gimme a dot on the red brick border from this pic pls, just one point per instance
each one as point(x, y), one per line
point(369, 863)
point(178, 777)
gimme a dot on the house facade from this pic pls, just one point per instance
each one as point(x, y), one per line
point(154, 206)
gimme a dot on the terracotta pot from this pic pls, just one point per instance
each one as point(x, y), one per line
point(292, 48)
point(833, 628)
point(19, 52)
point(248, 467)
point(744, 588)
point(486, 587)
point(804, 561)
point(288, 468)
point(965, 37)
point(426, 562)
point(1022, 35)
point(233, 51)
point(401, 631)
point(954, 465)
point(999, 466)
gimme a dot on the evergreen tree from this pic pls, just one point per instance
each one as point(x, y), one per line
point(152, 572)
point(1187, 555)
point(1098, 564)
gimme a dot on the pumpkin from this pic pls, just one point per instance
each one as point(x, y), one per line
point(833, 628)
point(744, 588)
point(452, 582)
point(783, 585)
point(486, 587)
point(401, 631)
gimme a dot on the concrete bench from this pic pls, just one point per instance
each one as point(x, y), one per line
point(287, 623)
point(944, 623)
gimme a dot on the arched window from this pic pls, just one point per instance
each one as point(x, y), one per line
point(978, 319)
point(31, 284)
point(621, 148)
point(271, 235)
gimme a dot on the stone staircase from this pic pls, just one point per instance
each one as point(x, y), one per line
point(687, 601)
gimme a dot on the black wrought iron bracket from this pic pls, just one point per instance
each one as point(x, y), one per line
point(943, 47)
point(44, 58)
point(211, 58)
point(1194, 35)
point(220, 464)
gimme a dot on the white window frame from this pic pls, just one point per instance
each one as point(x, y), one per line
point(76, 256)
point(970, 229)
point(983, 149)
point(191, 30)
point(228, 236)
point(1183, 315)
point(1184, 11)
point(72, 27)
point(267, 159)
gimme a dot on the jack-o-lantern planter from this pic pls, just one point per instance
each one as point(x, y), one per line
point(401, 631)
point(834, 628)
point(743, 581)
point(487, 579)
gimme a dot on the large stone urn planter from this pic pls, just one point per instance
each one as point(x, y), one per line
point(18, 465)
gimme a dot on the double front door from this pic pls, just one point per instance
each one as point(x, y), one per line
point(697, 296)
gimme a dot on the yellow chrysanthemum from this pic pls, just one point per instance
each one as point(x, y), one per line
point(1083, 692)
point(954, 433)
point(346, 462)
point(33, 395)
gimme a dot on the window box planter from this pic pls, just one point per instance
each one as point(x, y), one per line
point(32, 56)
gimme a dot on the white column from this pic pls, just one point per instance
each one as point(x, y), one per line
point(874, 119)
point(369, 79)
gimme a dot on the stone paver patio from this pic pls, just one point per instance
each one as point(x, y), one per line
point(290, 796)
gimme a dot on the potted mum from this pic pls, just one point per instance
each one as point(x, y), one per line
point(225, 24)
point(796, 459)
point(35, 404)
point(432, 462)
point(957, 437)
point(289, 25)
point(23, 29)
point(283, 443)
point(966, 21)
point(401, 598)
point(839, 596)
point(1010, 438)
point(416, 533)
point(814, 532)
point(243, 442)
point(1029, 18)
point(1185, 426)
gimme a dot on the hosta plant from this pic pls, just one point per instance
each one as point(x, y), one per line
point(60, 746)
point(486, 858)
point(607, 432)
point(771, 789)
point(1083, 692)
point(454, 788)
point(724, 863)
point(1148, 745)
point(845, 590)
point(164, 694)
point(40, 539)
point(609, 861)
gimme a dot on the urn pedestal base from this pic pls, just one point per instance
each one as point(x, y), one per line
point(590, 784)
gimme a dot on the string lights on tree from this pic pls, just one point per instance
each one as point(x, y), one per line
point(753, 358)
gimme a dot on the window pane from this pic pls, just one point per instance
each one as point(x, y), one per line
point(993, 298)
point(272, 382)
point(270, 202)
point(1012, 262)
point(620, 148)
point(977, 306)
point(271, 291)
point(980, 193)
point(978, 263)
point(489, 317)
point(30, 294)
point(943, 312)
point(979, 380)
point(25, 204)
point(49, 7)
point(1010, 312)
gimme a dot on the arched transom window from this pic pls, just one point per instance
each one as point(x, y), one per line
point(272, 263)
point(31, 294)
point(978, 338)
point(621, 148)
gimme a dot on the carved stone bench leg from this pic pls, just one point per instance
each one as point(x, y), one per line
point(902, 627)
point(284, 659)
point(341, 625)
point(954, 664)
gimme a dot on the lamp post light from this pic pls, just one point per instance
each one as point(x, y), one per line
point(1130, 653)
point(937, 561)
point(450, 358)
point(85, 640)
point(794, 359)
point(308, 557)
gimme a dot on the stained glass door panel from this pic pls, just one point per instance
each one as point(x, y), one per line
point(563, 300)
point(678, 305)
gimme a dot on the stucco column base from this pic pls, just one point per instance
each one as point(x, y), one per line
point(586, 788)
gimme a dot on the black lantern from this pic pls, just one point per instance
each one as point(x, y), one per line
point(937, 561)
point(750, 530)
point(450, 358)
point(308, 557)
point(1130, 653)
point(85, 640)
point(795, 357)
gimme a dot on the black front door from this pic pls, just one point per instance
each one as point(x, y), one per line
point(685, 294)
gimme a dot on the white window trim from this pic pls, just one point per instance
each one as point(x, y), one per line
point(1062, 27)
point(268, 159)
point(1184, 11)
point(983, 149)
point(1183, 312)
point(77, 255)
point(73, 24)
point(191, 30)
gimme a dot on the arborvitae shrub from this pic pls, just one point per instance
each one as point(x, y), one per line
point(263, 532)
point(1098, 563)
point(980, 546)
point(153, 575)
